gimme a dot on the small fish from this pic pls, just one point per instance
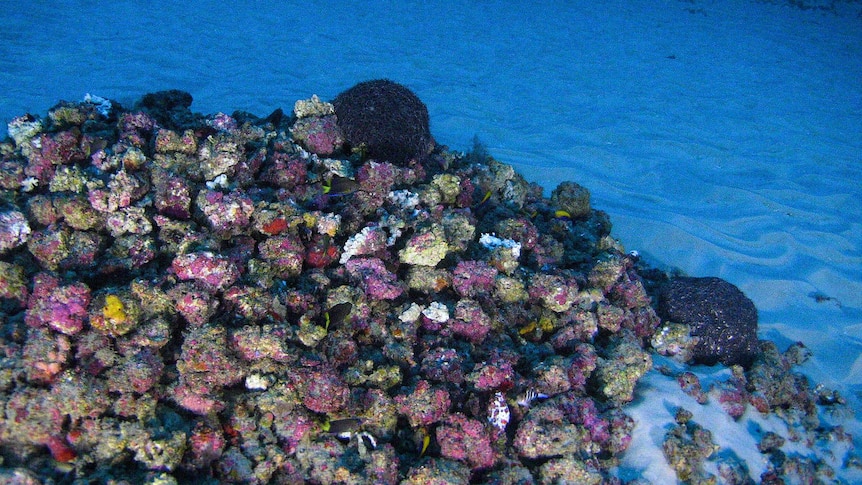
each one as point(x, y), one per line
point(498, 411)
point(562, 215)
point(484, 200)
point(527, 328)
point(529, 396)
point(340, 426)
point(338, 186)
point(426, 440)
point(337, 314)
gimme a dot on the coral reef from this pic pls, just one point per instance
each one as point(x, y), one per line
point(191, 298)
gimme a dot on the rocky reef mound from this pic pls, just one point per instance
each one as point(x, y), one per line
point(192, 298)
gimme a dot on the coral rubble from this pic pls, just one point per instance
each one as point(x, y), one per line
point(191, 298)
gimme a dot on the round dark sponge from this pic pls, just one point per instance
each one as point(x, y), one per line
point(385, 117)
point(718, 313)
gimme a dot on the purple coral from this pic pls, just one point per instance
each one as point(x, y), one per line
point(318, 134)
point(378, 282)
point(375, 182)
point(214, 272)
point(62, 308)
point(470, 322)
point(494, 375)
point(226, 214)
point(326, 392)
point(172, 195)
point(465, 439)
point(443, 365)
point(424, 406)
point(473, 278)
point(285, 170)
point(285, 252)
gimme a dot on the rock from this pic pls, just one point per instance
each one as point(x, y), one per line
point(572, 198)
point(719, 315)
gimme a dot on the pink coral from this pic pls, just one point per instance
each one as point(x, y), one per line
point(375, 182)
point(45, 355)
point(50, 246)
point(318, 134)
point(520, 230)
point(206, 445)
point(50, 150)
point(285, 170)
point(205, 366)
point(254, 342)
point(123, 189)
point(494, 375)
point(136, 128)
point(378, 282)
point(193, 303)
point(326, 392)
point(62, 308)
point(582, 365)
point(168, 141)
point(214, 272)
point(196, 402)
point(292, 427)
point(730, 397)
point(555, 292)
point(285, 252)
point(172, 195)
point(465, 439)
point(139, 373)
point(226, 214)
point(470, 321)
point(222, 122)
point(583, 412)
point(425, 405)
point(473, 278)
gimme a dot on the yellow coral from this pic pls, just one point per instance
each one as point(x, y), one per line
point(114, 311)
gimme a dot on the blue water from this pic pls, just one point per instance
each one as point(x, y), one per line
point(723, 137)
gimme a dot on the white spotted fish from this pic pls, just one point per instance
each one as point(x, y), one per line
point(498, 411)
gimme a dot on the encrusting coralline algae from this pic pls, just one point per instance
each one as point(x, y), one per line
point(233, 299)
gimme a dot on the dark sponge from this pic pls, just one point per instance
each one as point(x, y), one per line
point(387, 118)
point(170, 109)
point(718, 313)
